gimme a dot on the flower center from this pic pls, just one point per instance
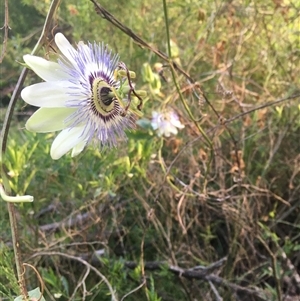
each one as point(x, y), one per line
point(105, 95)
point(102, 96)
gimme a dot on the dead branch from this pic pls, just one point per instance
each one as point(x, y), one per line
point(71, 222)
point(200, 273)
point(74, 220)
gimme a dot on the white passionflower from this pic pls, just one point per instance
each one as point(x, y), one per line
point(166, 123)
point(87, 95)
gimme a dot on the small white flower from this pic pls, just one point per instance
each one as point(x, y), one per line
point(166, 123)
point(82, 96)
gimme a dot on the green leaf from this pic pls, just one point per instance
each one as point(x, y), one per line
point(65, 284)
point(144, 123)
point(34, 295)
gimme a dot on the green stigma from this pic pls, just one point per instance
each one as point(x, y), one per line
point(103, 96)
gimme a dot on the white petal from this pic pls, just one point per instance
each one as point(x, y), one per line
point(172, 130)
point(65, 47)
point(46, 120)
point(176, 122)
point(78, 148)
point(65, 141)
point(46, 94)
point(48, 71)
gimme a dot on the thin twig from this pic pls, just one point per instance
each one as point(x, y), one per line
point(218, 297)
point(17, 250)
point(265, 105)
point(6, 28)
point(78, 259)
point(81, 283)
point(42, 284)
point(134, 290)
point(109, 17)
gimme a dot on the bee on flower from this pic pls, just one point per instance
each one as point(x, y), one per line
point(87, 95)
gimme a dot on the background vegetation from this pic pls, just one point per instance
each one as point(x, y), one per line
point(179, 218)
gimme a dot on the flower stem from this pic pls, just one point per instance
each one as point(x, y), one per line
point(17, 250)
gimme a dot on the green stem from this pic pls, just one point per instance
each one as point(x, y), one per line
point(274, 267)
point(167, 29)
point(173, 72)
point(3, 142)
